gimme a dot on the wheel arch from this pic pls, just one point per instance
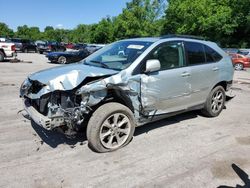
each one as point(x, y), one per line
point(239, 62)
point(119, 96)
point(1, 50)
point(222, 83)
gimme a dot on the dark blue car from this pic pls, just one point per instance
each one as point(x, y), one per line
point(67, 57)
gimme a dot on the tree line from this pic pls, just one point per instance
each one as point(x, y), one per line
point(226, 22)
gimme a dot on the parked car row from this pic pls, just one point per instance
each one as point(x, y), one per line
point(40, 46)
point(240, 57)
point(56, 52)
point(73, 56)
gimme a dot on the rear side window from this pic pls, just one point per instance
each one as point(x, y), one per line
point(211, 55)
point(195, 53)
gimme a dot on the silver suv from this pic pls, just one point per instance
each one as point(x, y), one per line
point(129, 83)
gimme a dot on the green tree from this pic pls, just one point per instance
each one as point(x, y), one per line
point(34, 33)
point(216, 20)
point(5, 31)
point(22, 32)
point(103, 31)
point(140, 18)
point(80, 34)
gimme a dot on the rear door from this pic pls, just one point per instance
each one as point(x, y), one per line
point(204, 71)
point(166, 90)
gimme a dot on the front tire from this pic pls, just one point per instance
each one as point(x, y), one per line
point(215, 102)
point(110, 127)
point(62, 60)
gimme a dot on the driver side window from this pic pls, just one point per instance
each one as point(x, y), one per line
point(170, 55)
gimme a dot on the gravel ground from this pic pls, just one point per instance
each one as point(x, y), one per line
point(187, 150)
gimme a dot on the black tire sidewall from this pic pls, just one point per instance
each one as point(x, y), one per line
point(97, 119)
point(208, 108)
point(1, 57)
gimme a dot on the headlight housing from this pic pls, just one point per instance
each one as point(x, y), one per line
point(25, 87)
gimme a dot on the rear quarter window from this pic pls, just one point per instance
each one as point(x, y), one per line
point(211, 55)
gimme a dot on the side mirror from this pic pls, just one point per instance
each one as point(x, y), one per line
point(152, 65)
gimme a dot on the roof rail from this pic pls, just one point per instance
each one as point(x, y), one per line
point(182, 36)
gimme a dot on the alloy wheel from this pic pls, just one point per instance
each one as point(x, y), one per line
point(115, 131)
point(217, 101)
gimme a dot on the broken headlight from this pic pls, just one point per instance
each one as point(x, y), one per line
point(25, 87)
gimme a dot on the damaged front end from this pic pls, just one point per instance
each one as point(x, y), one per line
point(57, 104)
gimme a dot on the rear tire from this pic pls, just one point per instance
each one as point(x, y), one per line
point(215, 102)
point(110, 127)
point(1, 56)
point(62, 60)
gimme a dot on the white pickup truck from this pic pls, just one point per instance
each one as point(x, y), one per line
point(7, 49)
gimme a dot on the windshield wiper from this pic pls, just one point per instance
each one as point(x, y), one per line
point(101, 63)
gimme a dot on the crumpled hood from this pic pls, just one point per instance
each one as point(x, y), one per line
point(67, 77)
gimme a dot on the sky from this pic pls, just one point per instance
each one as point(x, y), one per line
point(65, 14)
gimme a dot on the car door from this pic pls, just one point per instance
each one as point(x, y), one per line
point(166, 90)
point(204, 71)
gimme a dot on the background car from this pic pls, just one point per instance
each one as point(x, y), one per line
point(245, 52)
point(24, 45)
point(79, 46)
point(67, 57)
point(42, 46)
point(7, 49)
point(93, 48)
point(55, 47)
point(240, 61)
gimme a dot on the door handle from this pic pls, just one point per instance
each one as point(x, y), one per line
point(215, 68)
point(185, 74)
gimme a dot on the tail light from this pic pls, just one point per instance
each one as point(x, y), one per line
point(13, 48)
point(49, 46)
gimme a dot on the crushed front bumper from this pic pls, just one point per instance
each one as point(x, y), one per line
point(40, 119)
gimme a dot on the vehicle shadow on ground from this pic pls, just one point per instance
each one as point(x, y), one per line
point(242, 175)
point(55, 138)
point(166, 122)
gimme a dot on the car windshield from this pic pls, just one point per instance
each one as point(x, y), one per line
point(118, 55)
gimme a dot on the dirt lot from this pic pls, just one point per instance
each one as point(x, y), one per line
point(187, 150)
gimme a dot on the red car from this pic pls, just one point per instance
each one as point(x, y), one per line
point(240, 61)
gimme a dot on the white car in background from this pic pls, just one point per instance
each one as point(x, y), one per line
point(7, 49)
point(245, 52)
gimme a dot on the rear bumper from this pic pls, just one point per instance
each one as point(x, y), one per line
point(247, 65)
point(10, 53)
point(229, 91)
point(40, 119)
